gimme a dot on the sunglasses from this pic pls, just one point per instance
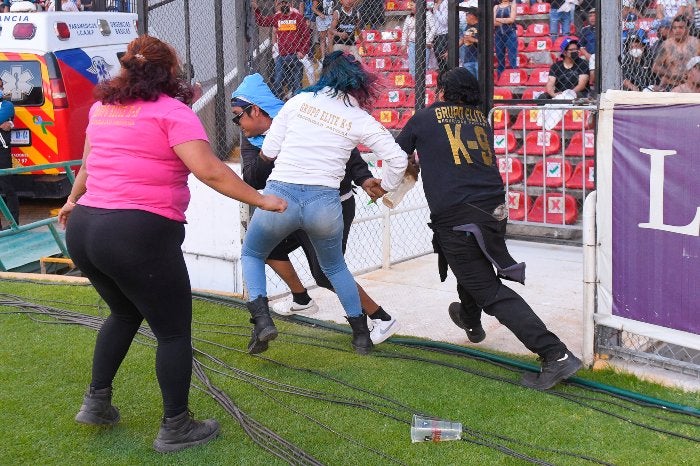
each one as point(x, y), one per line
point(237, 116)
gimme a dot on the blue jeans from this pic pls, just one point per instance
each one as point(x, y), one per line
point(288, 72)
point(472, 67)
point(412, 58)
point(506, 41)
point(317, 211)
point(555, 18)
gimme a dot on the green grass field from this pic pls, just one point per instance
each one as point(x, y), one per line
point(311, 390)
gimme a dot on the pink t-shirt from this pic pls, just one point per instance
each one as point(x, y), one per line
point(131, 164)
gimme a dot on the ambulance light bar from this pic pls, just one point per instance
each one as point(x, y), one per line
point(24, 31)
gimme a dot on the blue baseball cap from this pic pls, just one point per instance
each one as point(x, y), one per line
point(566, 42)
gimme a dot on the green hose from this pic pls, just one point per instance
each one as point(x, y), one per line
point(482, 355)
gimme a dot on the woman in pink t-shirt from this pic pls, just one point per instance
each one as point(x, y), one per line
point(124, 223)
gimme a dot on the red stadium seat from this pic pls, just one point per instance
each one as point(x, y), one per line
point(388, 118)
point(502, 93)
point(500, 118)
point(400, 64)
point(519, 30)
point(389, 49)
point(518, 204)
point(521, 44)
point(431, 78)
point(556, 46)
point(527, 119)
point(538, 77)
point(370, 35)
point(398, 5)
point(553, 172)
point(532, 93)
point(539, 44)
point(390, 35)
point(378, 64)
point(523, 60)
point(583, 176)
point(512, 78)
point(400, 79)
point(504, 142)
point(581, 145)
point(367, 50)
point(540, 9)
point(555, 209)
point(429, 98)
point(537, 30)
point(522, 9)
point(576, 120)
point(511, 170)
point(541, 142)
point(405, 116)
point(391, 98)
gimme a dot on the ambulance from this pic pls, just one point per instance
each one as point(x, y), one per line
point(49, 63)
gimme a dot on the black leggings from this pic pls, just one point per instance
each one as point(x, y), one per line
point(134, 260)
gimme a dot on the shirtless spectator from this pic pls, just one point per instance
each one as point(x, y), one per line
point(674, 54)
point(692, 77)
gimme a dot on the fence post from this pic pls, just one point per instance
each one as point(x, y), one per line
point(589, 277)
point(386, 238)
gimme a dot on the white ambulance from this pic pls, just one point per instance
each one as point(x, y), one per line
point(49, 63)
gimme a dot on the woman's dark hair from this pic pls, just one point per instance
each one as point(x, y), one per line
point(344, 74)
point(459, 86)
point(149, 68)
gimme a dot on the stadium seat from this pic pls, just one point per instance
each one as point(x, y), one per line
point(390, 35)
point(400, 79)
point(511, 77)
point(532, 93)
point(540, 9)
point(406, 114)
point(522, 9)
point(502, 93)
point(551, 172)
point(367, 50)
point(527, 120)
point(511, 170)
point(519, 30)
point(583, 176)
point(504, 142)
point(388, 118)
point(554, 209)
point(576, 120)
point(389, 49)
point(370, 35)
point(391, 98)
point(400, 64)
point(378, 64)
point(397, 5)
point(541, 142)
point(521, 44)
point(518, 204)
point(429, 98)
point(539, 44)
point(523, 60)
point(537, 30)
point(431, 78)
point(581, 145)
point(556, 46)
point(538, 77)
point(500, 118)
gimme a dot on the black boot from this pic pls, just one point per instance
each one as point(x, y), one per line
point(361, 340)
point(475, 333)
point(97, 409)
point(264, 330)
point(182, 431)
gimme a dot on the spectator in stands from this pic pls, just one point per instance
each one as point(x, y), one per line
point(559, 18)
point(255, 106)
point(629, 6)
point(311, 140)
point(468, 217)
point(345, 27)
point(570, 73)
point(470, 42)
point(674, 54)
point(7, 189)
point(506, 37)
point(408, 39)
point(324, 17)
point(663, 32)
point(431, 62)
point(587, 45)
point(691, 83)
point(463, 25)
point(293, 38)
point(440, 39)
point(125, 223)
point(372, 14)
point(636, 64)
point(669, 9)
point(696, 19)
point(582, 11)
point(629, 26)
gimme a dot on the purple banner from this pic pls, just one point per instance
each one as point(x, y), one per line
point(656, 215)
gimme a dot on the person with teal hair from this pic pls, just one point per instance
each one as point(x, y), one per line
point(311, 140)
point(254, 106)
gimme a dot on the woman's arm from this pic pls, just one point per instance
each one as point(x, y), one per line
point(200, 159)
point(78, 189)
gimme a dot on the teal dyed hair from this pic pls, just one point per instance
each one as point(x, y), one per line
point(343, 73)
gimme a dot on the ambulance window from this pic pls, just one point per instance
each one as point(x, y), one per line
point(22, 82)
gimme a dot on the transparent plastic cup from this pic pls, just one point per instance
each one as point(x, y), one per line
point(428, 429)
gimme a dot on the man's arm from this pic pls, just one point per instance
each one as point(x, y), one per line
point(260, 19)
point(256, 170)
point(357, 168)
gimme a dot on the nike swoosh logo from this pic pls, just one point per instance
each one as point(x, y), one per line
point(382, 331)
point(566, 356)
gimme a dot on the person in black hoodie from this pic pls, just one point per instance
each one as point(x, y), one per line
point(254, 107)
point(468, 217)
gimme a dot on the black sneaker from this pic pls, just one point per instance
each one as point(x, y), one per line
point(552, 372)
point(475, 333)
